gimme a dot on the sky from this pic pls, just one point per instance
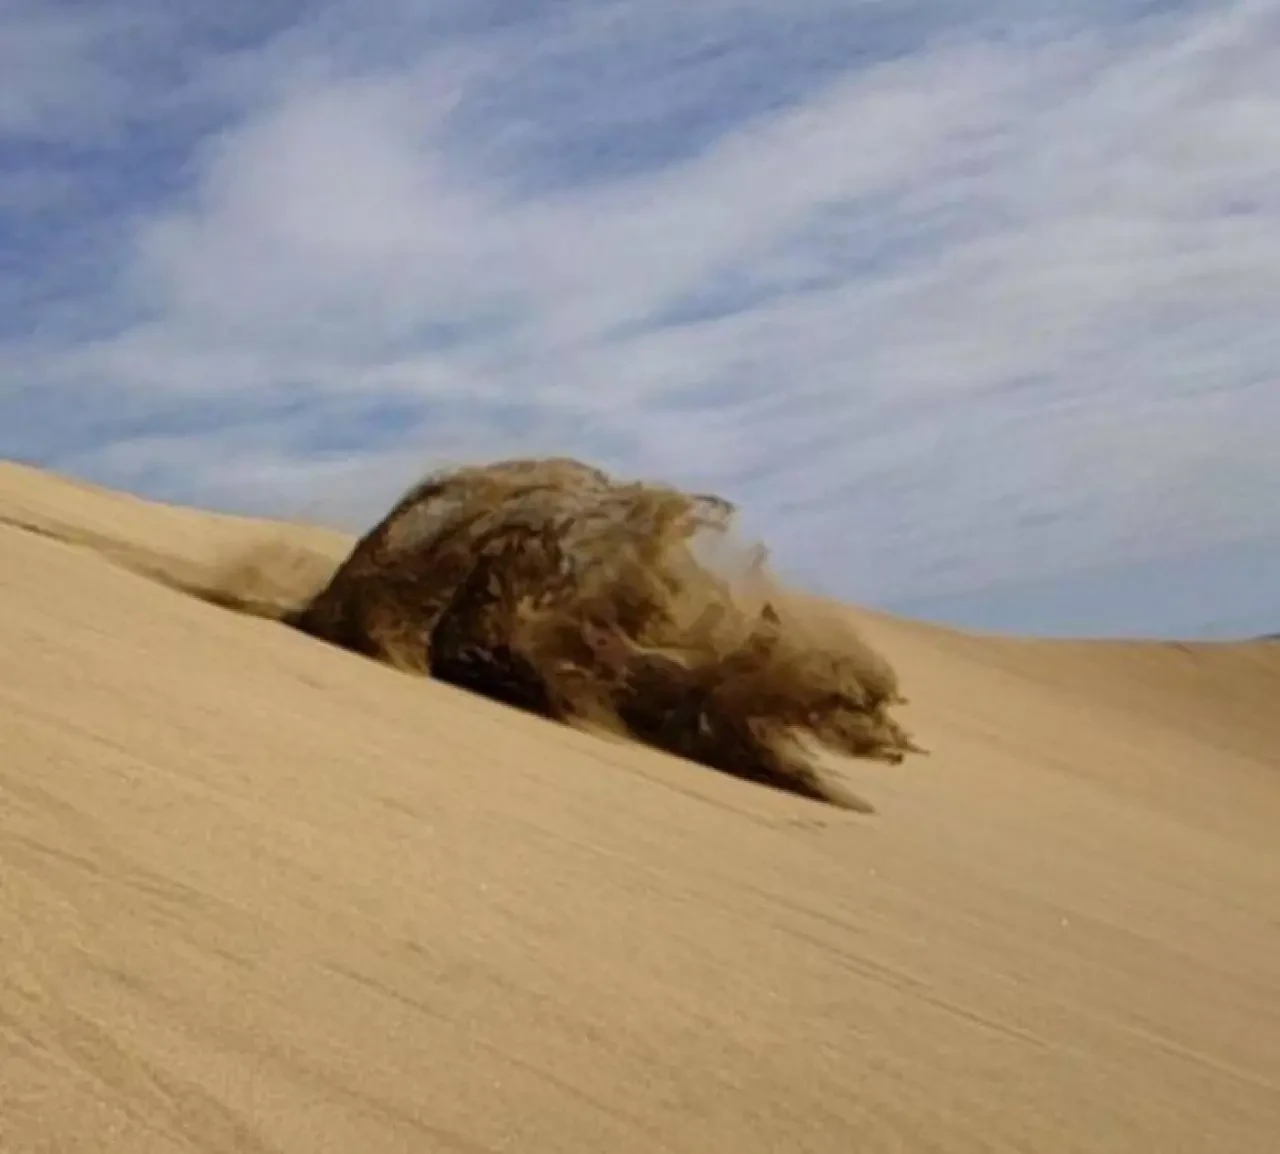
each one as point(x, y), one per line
point(974, 316)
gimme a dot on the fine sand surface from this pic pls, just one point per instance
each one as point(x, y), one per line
point(258, 894)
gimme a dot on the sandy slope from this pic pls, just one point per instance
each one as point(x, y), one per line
point(257, 895)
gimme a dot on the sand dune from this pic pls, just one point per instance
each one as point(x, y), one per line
point(258, 894)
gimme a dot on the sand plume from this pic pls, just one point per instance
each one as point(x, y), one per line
point(548, 585)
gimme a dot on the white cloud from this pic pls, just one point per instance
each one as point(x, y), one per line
point(994, 306)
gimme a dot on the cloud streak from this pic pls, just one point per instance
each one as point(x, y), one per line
point(939, 302)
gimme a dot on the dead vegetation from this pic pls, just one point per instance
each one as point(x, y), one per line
point(548, 585)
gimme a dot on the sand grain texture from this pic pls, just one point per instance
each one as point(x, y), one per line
point(258, 894)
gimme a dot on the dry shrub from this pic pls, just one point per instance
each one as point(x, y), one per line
point(550, 586)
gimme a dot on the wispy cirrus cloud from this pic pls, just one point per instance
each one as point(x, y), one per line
point(940, 300)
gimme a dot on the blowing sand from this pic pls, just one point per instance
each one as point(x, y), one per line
point(259, 894)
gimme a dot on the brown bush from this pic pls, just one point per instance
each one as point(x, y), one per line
point(547, 585)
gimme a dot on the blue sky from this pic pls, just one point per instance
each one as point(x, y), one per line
point(974, 316)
